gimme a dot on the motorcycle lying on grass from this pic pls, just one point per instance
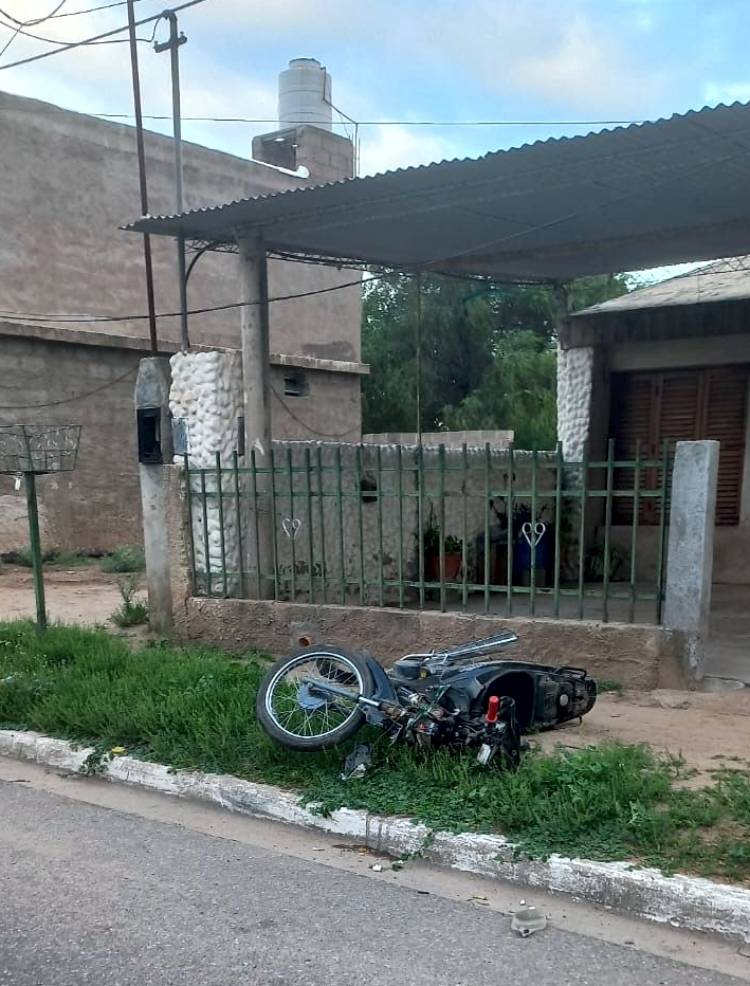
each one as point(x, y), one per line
point(322, 695)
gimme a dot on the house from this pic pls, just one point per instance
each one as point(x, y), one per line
point(665, 363)
point(63, 259)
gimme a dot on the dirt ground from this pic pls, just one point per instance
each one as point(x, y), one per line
point(709, 730)
point(82, 594)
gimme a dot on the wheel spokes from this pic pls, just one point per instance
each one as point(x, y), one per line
point(299, 699)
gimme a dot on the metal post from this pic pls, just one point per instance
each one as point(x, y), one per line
point(142, 178)
point(418, 288)
point(36, 549)
point(257, 384)
point(176, 39)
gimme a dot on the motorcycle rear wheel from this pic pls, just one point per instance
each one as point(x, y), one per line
point(300, 717)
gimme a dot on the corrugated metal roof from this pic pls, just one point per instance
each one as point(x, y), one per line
point(725, 280)
point(635, 196)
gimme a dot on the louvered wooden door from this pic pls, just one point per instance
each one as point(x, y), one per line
point(724, 418)
point(680, 405)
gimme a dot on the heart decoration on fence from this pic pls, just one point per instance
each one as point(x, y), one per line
point(533, 533)
point(291, 526)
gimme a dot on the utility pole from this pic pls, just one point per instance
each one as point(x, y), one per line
point(176, 39)
point(142, 177)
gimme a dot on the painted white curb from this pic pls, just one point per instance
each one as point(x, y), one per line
point(686, 902)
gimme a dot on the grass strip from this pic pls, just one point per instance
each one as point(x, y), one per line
point(194, 708)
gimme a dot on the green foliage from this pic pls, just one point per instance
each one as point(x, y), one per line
point(55, 556)
point(128, 558)
point(604, 685)
point(488, 354)
point(132, 612)
point(194, 708)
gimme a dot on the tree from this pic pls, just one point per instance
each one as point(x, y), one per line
point(488, 354)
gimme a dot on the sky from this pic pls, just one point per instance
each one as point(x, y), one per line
point(553, 61)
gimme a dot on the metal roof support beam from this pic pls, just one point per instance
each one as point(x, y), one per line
point(256, 376)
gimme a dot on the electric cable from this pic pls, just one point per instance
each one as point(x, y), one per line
point(97, 37)
point(69, 400)
point(22, 24)
point(301, 421)
point(58, 41)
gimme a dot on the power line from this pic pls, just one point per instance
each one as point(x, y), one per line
point(97, 319)
point(69, 400)
point(97, 37)
point(38, 317)
point(57, 41)
point(300, 421)
point(385, 123)
point(92, 10)
point(22, 24)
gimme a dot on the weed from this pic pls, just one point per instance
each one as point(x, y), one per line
point(133, 611)
point(608, 685)
point(194, 708)
point(54, 556)
point(128, 558)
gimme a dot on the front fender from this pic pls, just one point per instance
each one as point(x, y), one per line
point(384, 690)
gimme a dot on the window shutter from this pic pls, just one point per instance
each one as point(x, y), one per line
point(724, 421)
point(633, 403)
point(680, 405)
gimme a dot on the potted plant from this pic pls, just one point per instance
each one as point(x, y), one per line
point(452, 552)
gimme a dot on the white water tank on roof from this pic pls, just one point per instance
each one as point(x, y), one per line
point(305, 94)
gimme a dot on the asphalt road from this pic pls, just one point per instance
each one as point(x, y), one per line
point(94, 895)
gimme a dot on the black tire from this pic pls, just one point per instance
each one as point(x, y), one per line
point(311, 743)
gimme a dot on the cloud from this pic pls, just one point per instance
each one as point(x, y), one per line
point(384, 148)
point(556, 52)
point(729, 92)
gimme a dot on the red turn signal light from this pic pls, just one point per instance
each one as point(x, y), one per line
point(492, 707)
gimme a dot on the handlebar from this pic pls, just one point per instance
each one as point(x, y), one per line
point(478, 648)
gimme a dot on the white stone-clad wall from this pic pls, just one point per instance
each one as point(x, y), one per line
point(575, 368)
point(206, 394)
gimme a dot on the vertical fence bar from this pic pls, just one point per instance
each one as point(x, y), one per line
point(441, 543)
point(465, 538)
point(291, 534)
point(558, 522)
point(420, 522)
point(191, 540)
point(487, 546)
point(222, 536)
point(238, 512)
point(256, 524)
point(321, 523)
point(360, 528)
point(634, 530)
point(608, 526)
point(379, 483)
point(533, 536)
point(308, 498)
point(206, 543)
point(274, 522)
point(509, 531)
point(400, 471)
point(661, 559)
point(340, 513)
point(582, 530)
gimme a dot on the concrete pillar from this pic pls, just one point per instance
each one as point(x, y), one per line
point(256, 375)
point(690, 553)
point(154, 450)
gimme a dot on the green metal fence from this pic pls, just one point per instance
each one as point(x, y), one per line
point(474, 530)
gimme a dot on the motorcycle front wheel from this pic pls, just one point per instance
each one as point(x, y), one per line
point(309, 701)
